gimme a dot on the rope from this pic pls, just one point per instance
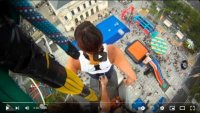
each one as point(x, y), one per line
point(27, 11)
point(47, 59)
point(73, 84)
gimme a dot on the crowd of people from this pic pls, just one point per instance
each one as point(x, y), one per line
point(136, 33)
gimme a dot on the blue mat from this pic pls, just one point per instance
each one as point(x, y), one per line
point(112, 30)
point(138, 103)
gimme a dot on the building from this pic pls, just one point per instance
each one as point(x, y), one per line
point(36, 2)
point(72, 13)
point(180, 35)
point(167, 23)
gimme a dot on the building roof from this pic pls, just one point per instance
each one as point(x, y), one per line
point(57, 4)
point(179, 34)
point(167, 23)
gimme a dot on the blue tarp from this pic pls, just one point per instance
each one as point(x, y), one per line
point(112, 29)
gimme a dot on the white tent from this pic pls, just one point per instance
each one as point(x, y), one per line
point(167, 23)
point(179, 35)
point(190, 44)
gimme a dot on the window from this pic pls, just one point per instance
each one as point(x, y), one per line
point(97, 8)
point(57, 22)
point(72, 29)
point(84, 5)
point(66, 18)
point(76, 20)
point(72, 12)
point(92, 11)
point(81, 17)
point(78, 9)
point(90, 2)
point(86, 14)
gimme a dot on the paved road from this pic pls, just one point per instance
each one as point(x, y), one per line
point(194, 3)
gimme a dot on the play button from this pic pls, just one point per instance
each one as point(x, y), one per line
point(99, 57)
point(102, 56)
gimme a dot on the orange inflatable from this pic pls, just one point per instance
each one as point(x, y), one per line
point(137, 51)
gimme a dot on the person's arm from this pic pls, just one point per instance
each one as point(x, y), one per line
point(73, 64)
point(118, 58)
point(105, 100)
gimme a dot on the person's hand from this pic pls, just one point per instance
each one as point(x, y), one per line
point(128, 81)
point(103, 80)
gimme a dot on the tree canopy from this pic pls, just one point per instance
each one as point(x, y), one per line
point(186, 17)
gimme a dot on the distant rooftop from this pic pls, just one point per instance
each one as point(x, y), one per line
point(57, 4)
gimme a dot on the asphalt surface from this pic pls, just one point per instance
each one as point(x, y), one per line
point(195, 4)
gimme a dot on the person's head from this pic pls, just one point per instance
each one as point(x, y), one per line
point(88, 37)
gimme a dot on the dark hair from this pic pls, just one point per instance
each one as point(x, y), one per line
point(88, 37)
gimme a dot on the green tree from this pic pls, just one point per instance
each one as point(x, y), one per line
point(186, 17)
point(153, 7)
point(195, 92)
point(184, 27)
point(55, 97)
